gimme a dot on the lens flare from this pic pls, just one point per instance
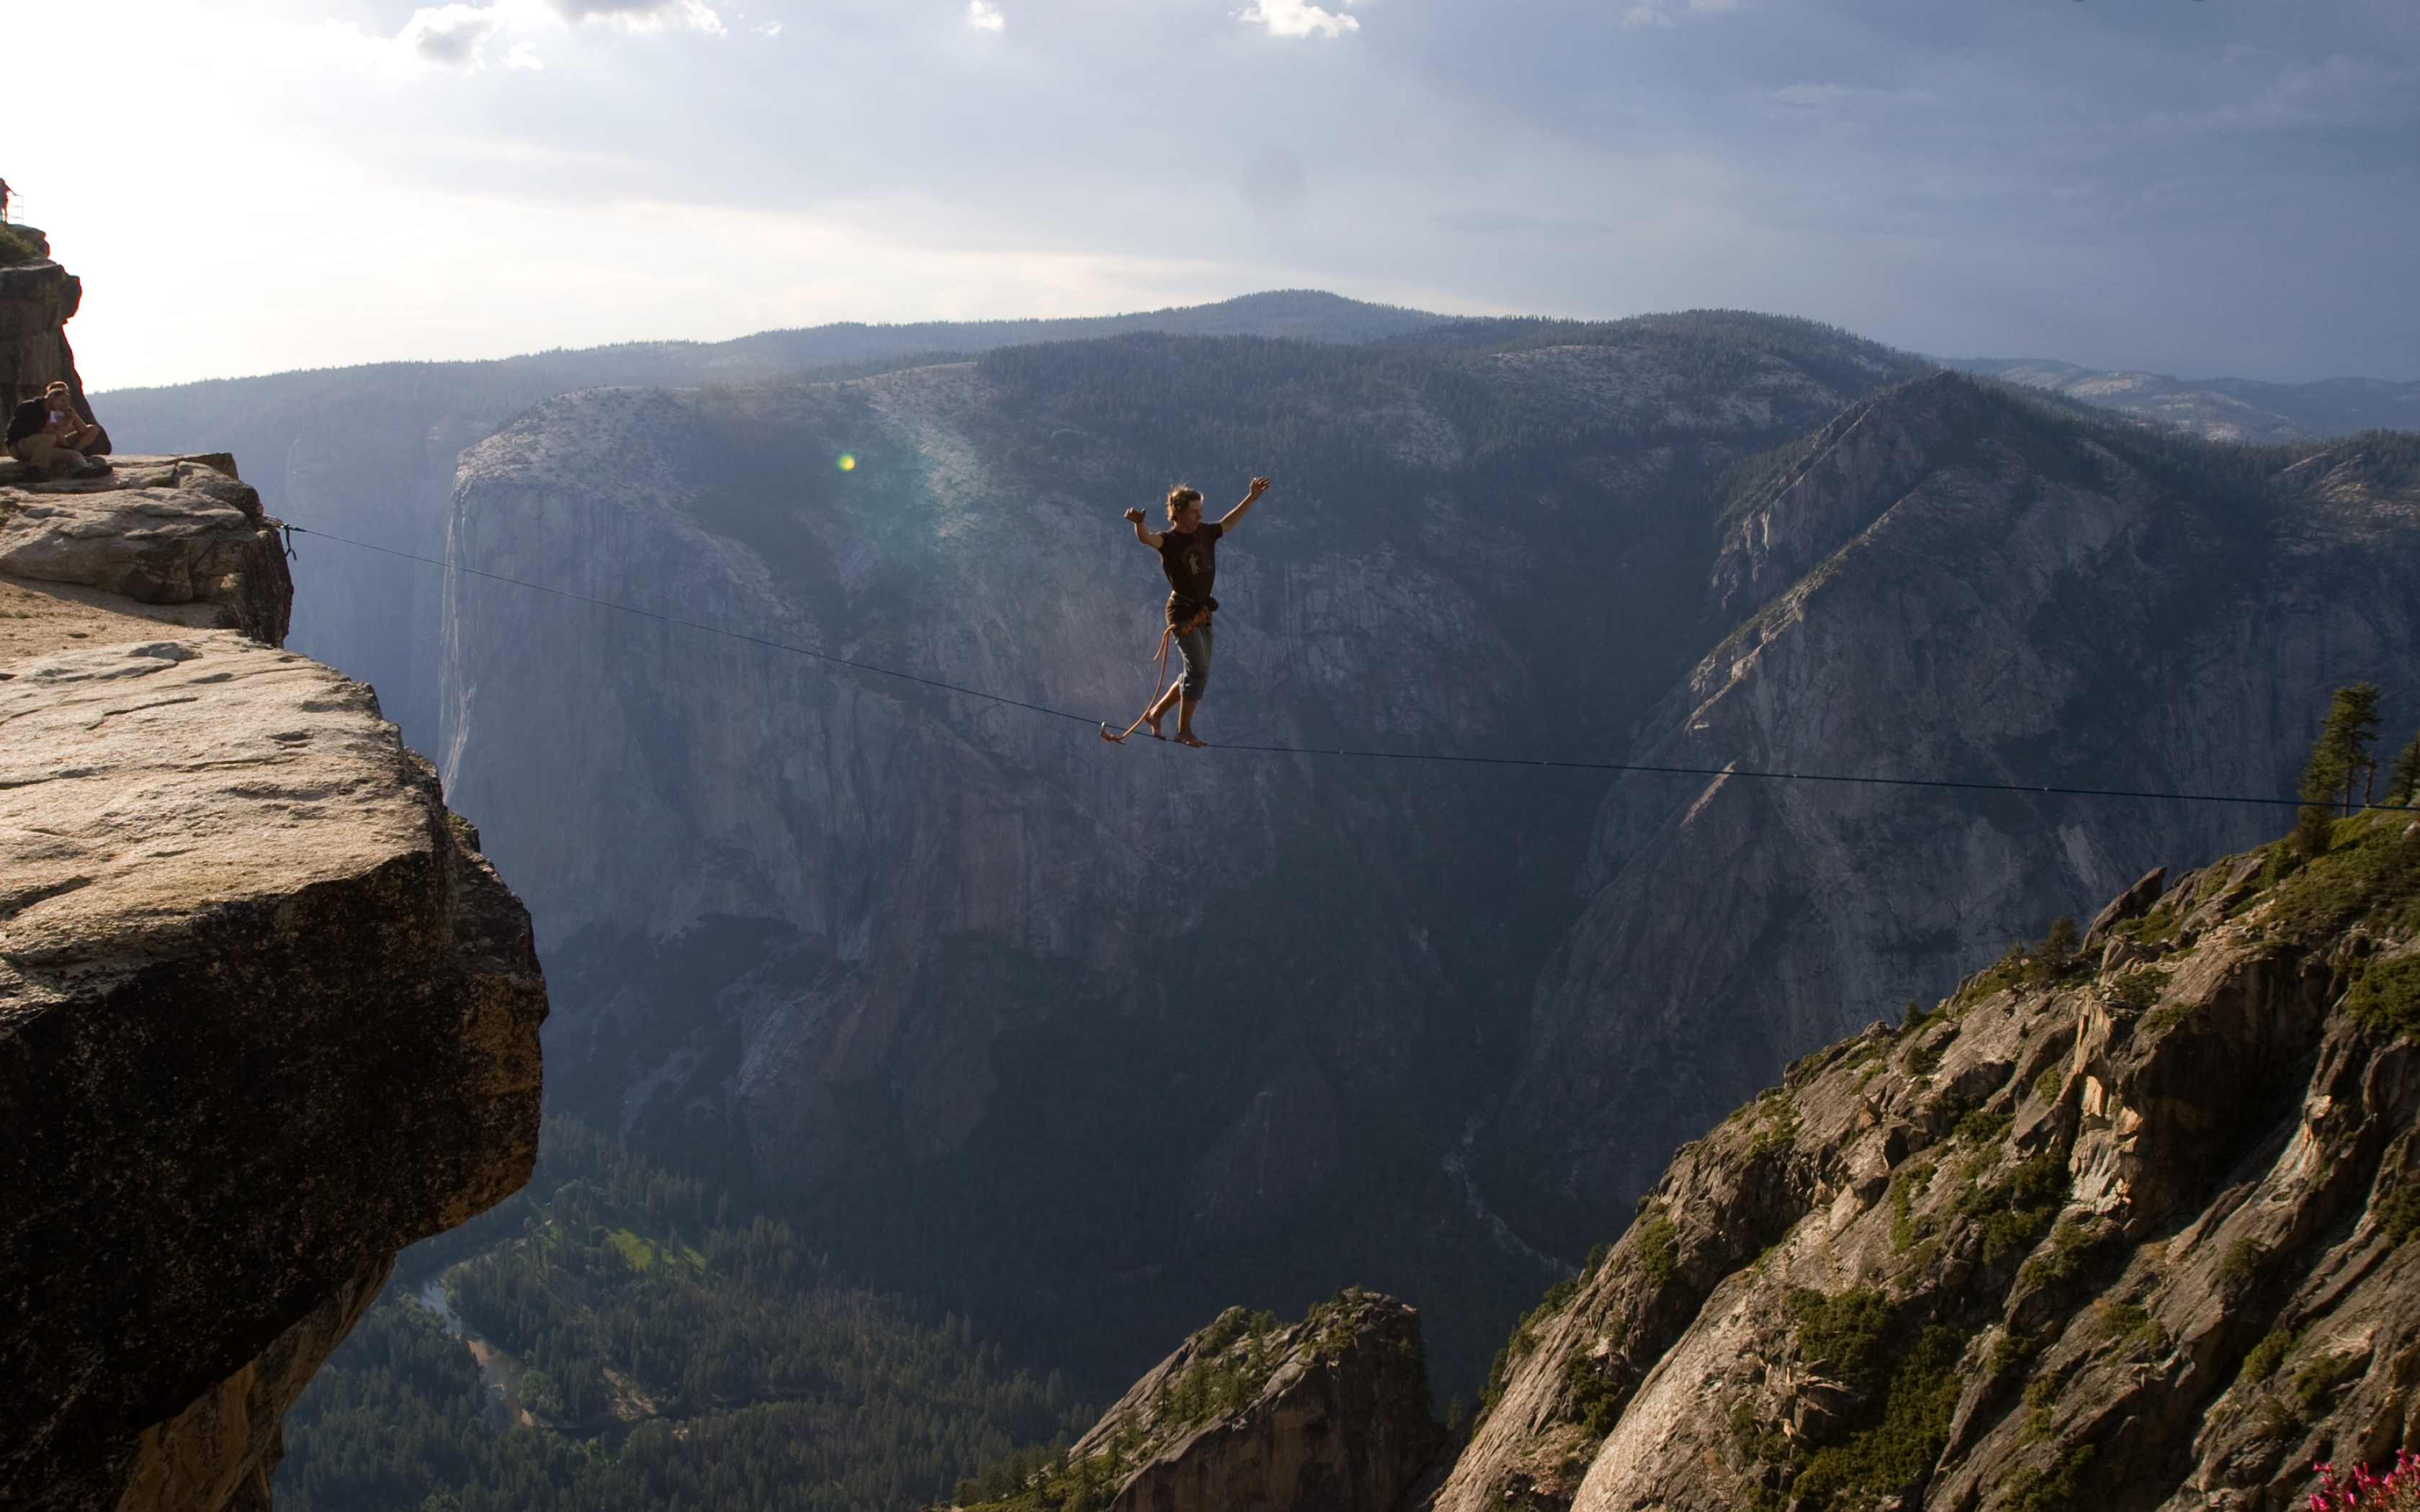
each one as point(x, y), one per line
point(846, 462)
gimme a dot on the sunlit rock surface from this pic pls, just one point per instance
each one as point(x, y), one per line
point(163, 530)
point(266, 1016)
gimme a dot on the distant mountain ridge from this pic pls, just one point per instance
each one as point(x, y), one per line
point(1301, 315)
point(2223, 408)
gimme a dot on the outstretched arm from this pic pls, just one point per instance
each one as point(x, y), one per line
point(1236, 515)
point(1149, 538)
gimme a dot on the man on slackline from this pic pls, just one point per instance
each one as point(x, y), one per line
point(1188, 553)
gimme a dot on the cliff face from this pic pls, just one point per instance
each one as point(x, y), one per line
point(1328, 1415)
point(37, 297)
point(853, 925)
point(860, 920)
point(266, 1015)
point(1940, 586)
point(2127, 1235)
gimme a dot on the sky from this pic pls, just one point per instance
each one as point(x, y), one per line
point(2197, 186)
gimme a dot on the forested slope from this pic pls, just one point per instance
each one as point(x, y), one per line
point(648, 1346)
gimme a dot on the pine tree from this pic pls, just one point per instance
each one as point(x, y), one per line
point(2058, 946)
point(2351, 726)
point(2339, 758)
point(2403, 778)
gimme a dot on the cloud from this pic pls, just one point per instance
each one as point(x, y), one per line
point(449, 37)
point(2087, 181)
point(642, 14)
point(1299, 18)
point(984, 16)
point(456, 37)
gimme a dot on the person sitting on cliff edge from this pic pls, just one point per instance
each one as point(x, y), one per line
point(46, 432)
point(1188, 553)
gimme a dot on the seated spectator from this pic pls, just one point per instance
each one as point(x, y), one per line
point(46, 432)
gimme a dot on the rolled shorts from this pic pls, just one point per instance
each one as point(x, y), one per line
point(1194, 646)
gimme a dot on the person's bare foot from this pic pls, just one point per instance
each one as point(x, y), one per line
point(1151, 722)
point(1186, 737)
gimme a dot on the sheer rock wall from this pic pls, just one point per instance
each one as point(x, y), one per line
point(37, 300)
point(1943, 587)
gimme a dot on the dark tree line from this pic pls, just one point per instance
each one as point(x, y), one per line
point(662, 1352)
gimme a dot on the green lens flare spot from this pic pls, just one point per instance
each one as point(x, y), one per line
point(845, 462)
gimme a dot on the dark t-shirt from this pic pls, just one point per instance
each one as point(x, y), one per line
point(27, 418)
point(1191, 562)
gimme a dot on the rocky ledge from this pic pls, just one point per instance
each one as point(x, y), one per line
point(2121, 1228)
point(160, 531)
point(1330, 1415)
point(266, 1016)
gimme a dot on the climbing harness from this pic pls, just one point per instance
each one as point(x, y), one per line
point(1158, 680)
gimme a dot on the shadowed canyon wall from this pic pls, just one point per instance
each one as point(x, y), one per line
point(853, 934)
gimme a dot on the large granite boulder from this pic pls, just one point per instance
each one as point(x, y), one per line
point(1330, 1415)
point(158, 530)
point(266, 1016)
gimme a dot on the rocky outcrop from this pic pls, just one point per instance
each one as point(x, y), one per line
point(1328, 1415)
point(37, 297)
point(1847, 475)
point(2128, 1235)
point(2133, 902)
point(157, 529)
point(266, 1016)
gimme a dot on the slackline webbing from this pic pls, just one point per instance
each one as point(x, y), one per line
point(1551, 764)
